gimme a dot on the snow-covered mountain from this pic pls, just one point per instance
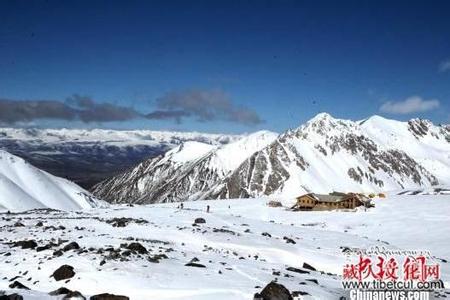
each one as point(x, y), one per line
point(24, 187)
point(89, 156)
point(328, 154)
point(185, 172)
point(323, 155)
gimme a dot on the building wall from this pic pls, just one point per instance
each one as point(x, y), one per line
point(306, 202)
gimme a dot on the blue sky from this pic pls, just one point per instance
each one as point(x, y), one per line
point(258, 64)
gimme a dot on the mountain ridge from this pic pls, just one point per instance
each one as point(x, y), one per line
point(322, 155)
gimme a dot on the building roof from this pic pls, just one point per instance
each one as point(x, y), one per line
point(328, 198)
point(334, 197)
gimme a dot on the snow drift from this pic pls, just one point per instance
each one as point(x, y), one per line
point(24, 187)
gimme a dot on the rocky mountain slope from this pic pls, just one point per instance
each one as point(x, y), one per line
point(323, 155)
point(24, 187)
point(328, 154)
point(183, 173)
point(90, 156)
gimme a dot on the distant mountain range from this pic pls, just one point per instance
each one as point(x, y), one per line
point(89, 156)
point(323, 155)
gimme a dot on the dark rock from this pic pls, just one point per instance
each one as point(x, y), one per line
point(274, 291)
point(313, 280)
point(26, 244)
point(137, 247)
point(224, 231)
point(71, 246)
point(308, 267)
point(39, 224)
point(74, 295)
point(58, 253)
point(11, 297)
point(122, 222)
point(45, 247)
point(299, 293)
point(266, 234)
point(296, 270)
point(14, 278)
point(194, 264)
point(60, 291)
point(289, 240)
point(18, 224)
point(63, 272)
point(18, 285)
point(108, 297)
point(118, 222)
point(200, 221)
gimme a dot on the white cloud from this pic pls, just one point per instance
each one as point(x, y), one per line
point(444, 66)
point(410, 105)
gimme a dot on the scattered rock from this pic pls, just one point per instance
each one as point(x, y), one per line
point(60, 291)
point(274, 204)
point(26, 244)
point(45, 247)
point(63, 272)
point(194, 264)
point(298, 294)
point(308, 267)
point(108, 297)
point(200, 221)
point(74, 295)
point(296, 270)
point(18, 285)
point(224, 231)
point(11, 297)
point(137, 247)
point(122, 222)
point(289, 240)
point(313, 280)
point(274, 291)
point(71, 246)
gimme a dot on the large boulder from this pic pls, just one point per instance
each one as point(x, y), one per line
point(26, 244)
point(71, 246)
point(274, 291)
point(63, 272)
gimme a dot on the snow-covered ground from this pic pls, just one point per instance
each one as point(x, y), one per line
point(239, 259)
point(23, 187)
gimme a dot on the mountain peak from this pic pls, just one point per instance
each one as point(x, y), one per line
point(321, 117)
